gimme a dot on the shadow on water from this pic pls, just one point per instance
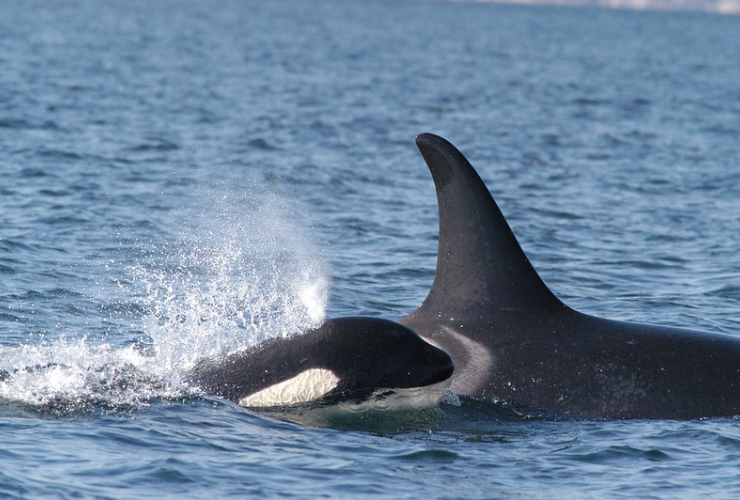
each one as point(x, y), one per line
point(464, 416)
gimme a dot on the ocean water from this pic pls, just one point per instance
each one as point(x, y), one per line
point(181, 179)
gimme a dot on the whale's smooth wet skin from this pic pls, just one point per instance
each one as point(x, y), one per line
point(345, 359)
point(513, 340)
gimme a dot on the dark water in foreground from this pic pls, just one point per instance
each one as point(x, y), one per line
point(178, 179)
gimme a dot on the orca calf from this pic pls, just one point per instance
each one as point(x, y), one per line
point(345, 359)
point(513, 341)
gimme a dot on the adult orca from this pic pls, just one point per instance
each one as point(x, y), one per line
point(513, 340)
point(344, 359)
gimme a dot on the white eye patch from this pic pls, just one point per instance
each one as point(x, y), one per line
point(303, 388)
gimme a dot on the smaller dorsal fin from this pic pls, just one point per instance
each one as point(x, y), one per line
point(480, 265)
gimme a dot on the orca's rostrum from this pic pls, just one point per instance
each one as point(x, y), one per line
point(513, 340)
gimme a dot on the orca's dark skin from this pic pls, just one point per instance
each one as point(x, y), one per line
point(360, 355)
point(512, 340)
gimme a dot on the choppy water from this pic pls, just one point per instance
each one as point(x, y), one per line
point(178, 179)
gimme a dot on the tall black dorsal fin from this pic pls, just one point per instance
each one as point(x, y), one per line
point(480, 265)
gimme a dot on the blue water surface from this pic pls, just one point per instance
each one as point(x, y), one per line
point(179, 179)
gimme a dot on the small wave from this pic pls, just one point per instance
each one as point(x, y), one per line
point(6, 269)
point(33, 172)
point(15, 124)
point(618, 453)
point(428, 456)
point(262, 144)
point(58, 154)
point(727, 291)
point(156, 144)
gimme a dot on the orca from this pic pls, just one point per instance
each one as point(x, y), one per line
point(343, 360)
point(513, 341)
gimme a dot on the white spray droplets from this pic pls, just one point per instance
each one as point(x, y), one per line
point(232, 283)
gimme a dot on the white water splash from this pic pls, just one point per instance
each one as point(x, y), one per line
point(229, 281)
point(67, 377)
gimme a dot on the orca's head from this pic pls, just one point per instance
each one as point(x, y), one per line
point(345, 359)
point(369, 354)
